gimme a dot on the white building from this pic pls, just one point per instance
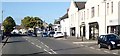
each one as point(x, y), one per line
point(56, 27)
point(93, 18)
point(102, 17)
point(73, 14)
point(64, 22)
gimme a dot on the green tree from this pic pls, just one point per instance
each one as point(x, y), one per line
point(31, 22)
point(8, 24)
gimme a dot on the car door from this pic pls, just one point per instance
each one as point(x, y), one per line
point(104, 41)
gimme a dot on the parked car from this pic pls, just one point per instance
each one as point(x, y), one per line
point(58, 34)
point(30, 33)
point(44, 34)
point(51, 33)
point(110, 41)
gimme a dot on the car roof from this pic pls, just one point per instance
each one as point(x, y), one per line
point(108, 34)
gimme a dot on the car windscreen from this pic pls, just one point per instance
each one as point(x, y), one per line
point(113, 37)
point(45, 33)
point(58, 32)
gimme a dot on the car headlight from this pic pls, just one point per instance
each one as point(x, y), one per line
point(112, 42)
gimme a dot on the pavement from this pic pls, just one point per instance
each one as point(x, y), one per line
point(77, 40)
point(92, 44)
point(2, 44)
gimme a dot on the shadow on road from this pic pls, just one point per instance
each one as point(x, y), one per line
point(13, 41)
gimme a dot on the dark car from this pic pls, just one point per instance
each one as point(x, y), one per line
point(51, 33)
point(44, 34)
point(110, 41)
point(30, 33)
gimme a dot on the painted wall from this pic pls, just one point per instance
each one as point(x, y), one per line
point(65, 26)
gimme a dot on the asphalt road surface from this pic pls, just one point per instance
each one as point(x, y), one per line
point(37, 45)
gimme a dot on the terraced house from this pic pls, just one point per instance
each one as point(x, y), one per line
point(93, 18)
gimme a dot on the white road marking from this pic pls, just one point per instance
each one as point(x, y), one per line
point(32, 43)
point(38, 46)
point(46, 46)
point(53, 51)
point(107, 51)
point(41, 47)
point(47, 51)
point(114, 53)
point(98, 49)
point(81, 45)
point(92, 47)
point(42, 42)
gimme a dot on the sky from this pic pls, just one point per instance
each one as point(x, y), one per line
point(47, 11)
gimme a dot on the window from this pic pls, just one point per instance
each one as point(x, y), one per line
point(92, 12)
point(107, 8)
point(87, 13)
point(111, 7)
point(98, 10)
point(84, 15)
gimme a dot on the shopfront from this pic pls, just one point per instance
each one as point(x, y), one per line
point(93, 30)
point(114, 29)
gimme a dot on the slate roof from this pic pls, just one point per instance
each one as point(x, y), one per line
point(64, 17)
point(80, 5)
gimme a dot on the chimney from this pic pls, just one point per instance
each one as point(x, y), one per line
point(67, 10)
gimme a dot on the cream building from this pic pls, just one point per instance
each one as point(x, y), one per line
point(74, 17)
point(102, 17)
point(93, 18)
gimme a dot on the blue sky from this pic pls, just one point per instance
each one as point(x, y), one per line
point(48, 11)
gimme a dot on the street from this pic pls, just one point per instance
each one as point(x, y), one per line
point(38, 45)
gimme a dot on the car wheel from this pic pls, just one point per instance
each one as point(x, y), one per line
point(109, 47)
point(99, 45)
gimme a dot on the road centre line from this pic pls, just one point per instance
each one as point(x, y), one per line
point(38, 46)
point(53, 51)
point(46, 46)
point(47, 51)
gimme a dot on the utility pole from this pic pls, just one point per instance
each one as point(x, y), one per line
point(2, 27)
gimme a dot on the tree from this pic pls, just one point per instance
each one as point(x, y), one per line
point(8, 24)
point(31, 22)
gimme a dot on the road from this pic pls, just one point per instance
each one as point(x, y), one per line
point(38, 45)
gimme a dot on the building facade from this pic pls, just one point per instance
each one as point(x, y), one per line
point(74, 17)
point(64, 22)
point(101, 18)
point(93, 18)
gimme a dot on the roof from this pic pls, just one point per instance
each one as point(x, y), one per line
point(64, 17)
point(80, 5)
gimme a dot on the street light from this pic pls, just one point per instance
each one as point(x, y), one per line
point(2, 27)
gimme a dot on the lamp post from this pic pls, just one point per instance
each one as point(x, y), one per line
point(2, 28)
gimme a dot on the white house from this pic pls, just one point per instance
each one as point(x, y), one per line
point(56, 27)
point(74, 17)
point(102, 17)
point(93, 18)
point(64, 22)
